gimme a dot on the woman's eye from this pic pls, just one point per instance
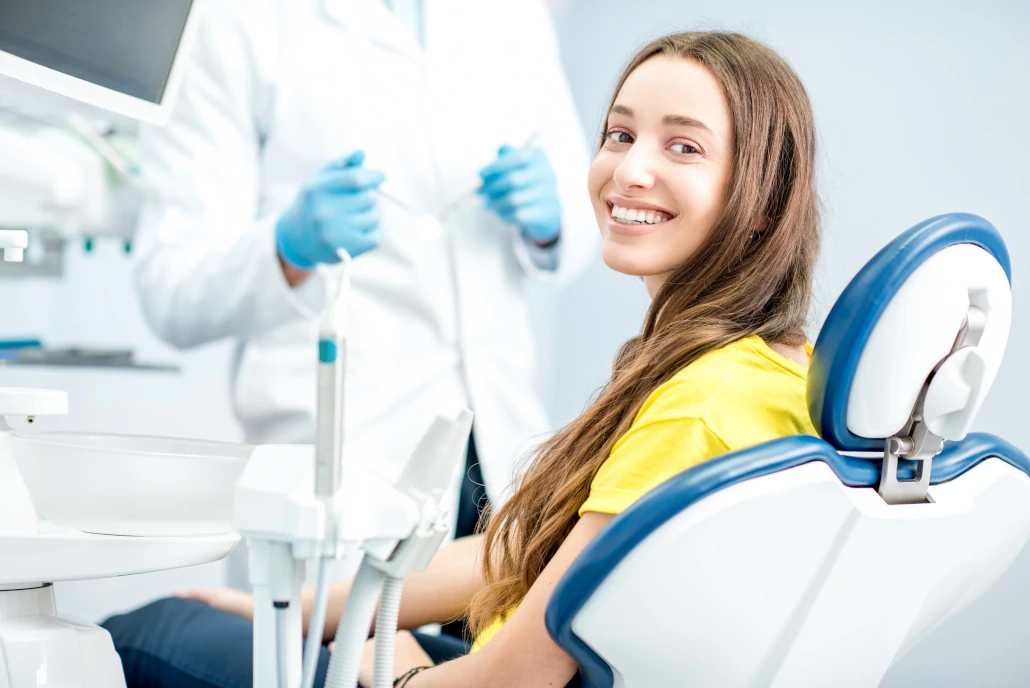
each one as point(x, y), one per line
point(618, 136)
point(684, 149)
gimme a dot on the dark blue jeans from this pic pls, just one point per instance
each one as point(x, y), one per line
point(175, 643)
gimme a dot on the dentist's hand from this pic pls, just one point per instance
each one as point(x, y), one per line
point(335, 209)
point(521, 187)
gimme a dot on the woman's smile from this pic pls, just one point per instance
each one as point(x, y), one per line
point(633, 217)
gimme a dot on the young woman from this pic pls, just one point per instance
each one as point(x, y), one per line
point(703, 185)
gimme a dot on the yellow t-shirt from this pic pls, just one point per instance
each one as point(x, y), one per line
point(732, 398)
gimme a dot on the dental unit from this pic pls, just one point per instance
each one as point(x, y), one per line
point(120, 504)
point(297, 503)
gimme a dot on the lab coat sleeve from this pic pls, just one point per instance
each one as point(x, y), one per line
point(561, 137)
point(208, 267)
point(536, 258)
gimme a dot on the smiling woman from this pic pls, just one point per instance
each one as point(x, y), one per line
point(703, 185)
point(666, 154)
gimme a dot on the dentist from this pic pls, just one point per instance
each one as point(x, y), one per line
point(304, 127)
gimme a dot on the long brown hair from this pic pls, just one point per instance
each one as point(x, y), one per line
point(752, 275)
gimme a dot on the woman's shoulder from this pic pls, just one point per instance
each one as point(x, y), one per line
point(740, 374)
point(733, 397)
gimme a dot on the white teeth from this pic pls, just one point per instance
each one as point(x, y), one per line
point(635, 216)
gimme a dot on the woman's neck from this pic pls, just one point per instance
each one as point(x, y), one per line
point(654, 282)
point(793, 353)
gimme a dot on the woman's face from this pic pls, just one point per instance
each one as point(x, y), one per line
point(659, 182)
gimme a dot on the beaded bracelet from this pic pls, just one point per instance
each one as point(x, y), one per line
point(403, 679)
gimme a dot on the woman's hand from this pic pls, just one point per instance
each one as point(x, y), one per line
point(439, 593)
point(242, 604)
point(407, 655)
point(226, 599)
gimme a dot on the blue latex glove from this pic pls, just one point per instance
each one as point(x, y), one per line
point(521, 187)
point(335, 209)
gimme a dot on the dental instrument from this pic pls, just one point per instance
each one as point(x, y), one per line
point(332, 357)
point(471, 193)
point(429, 224)
point(398, 202)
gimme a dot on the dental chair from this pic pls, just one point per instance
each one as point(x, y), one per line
point(816, 562)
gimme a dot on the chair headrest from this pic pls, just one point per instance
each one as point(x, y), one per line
point(928, 315)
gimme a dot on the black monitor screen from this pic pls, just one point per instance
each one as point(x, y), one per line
point(125, 45)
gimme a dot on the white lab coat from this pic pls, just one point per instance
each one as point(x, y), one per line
point(278, 88)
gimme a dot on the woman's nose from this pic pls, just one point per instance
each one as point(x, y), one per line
point(635, 171)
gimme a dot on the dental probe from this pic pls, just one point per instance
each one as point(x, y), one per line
point(453, 205)
point(397, 202)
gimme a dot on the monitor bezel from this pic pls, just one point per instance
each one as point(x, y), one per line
point(106, 98)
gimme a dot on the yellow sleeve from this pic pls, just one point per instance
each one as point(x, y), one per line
point(651, 452)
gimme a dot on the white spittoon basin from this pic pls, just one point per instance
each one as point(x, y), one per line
point(131, 485)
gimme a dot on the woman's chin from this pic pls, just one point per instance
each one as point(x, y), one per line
point(630, 260)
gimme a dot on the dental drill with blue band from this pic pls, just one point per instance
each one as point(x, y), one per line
point(294, 507)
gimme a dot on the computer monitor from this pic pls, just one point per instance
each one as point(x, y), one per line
point(125, 56)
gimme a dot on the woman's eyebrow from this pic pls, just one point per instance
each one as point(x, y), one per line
point(684, 121)
point(673, 120)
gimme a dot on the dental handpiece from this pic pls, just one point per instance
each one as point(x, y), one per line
point(332, 359)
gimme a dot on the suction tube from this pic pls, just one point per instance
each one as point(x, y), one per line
point(352, 632)
point(386, 631)
point(316, 626)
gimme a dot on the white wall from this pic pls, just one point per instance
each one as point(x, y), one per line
point(922, 109)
